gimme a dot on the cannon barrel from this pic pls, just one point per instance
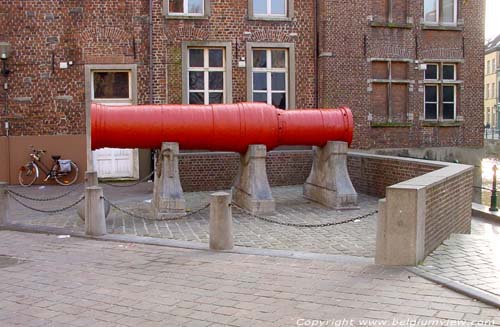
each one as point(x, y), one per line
point(226, 127)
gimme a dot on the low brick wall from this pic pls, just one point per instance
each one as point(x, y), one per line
point(418, 214)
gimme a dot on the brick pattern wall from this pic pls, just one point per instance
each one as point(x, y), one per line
point(216, 170)
point(371, 175)
point(448, 210)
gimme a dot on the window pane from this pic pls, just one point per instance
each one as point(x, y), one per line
point(430, 11)
point(448, 111)
point(215, 98)
point(215, 58)
point(259, 7)
point(278, 58)
point(431, 72)
point(260, 81)
point(111, 85)
point(196, 80)
point(196, 58)
point(216, 81)
point(259, 59)
point(449, 72)
point(176, 6)
point(279, 100)
point(448, 94)
point(260, 97)
point(431, 111)
point(278, 81)
point(195, 6)
point(431, 94)
point(278, 7)
point(447, 11)
point(196, 98)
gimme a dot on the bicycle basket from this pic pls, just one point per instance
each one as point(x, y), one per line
point(65, 166)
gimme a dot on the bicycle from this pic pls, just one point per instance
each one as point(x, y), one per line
point(65, 172)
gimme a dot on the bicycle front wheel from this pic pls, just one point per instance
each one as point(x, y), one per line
point(28, 174)
point(68, 178)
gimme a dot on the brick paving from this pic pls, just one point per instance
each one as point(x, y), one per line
point(357, 238)
point(473, 260)
point(77, 282)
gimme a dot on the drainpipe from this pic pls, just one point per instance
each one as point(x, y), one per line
point(316, 51)
point(151, 51)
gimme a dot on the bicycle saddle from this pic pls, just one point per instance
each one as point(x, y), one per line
point(56, 157)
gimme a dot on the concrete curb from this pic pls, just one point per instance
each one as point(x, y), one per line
point(482, 211)
point(458, 287)
point(336, 258)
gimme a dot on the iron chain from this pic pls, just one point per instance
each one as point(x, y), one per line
point(48, 211)
point(272, 221)
point(132, 184)
point(12, 192)
point(113, 205)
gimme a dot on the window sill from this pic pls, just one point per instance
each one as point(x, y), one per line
point(270, 18)
point(391, 25)
point(390, 125)
point(180, 17)
point(451, 123)
point(442, 27)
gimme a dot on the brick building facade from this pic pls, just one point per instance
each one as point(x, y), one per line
point(411, 74)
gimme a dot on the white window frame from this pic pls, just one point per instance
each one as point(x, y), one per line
point(438, 72)
point(454, 71)
point(454, 102)
point(438, 14)
point(436, 103)
point(206, 71)
point(112, 100)
point(269, 10)
point(269, 70)
point(185, 13)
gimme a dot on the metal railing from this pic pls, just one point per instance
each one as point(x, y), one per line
point(492, 134)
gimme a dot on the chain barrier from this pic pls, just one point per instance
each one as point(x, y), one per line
point(12, 192)
point(272, 221)
point(132, 184)
point(113, 205)
point(48, 211)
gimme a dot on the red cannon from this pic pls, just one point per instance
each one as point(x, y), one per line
point(226, 127)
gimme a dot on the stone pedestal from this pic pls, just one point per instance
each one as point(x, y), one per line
point(251, 188)
point(4, 203)
point(329, 182)
point(168, 197)
point(221, 222)
point(95, 220)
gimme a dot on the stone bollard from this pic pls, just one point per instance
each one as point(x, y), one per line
point(95, 221)
point(221, 222)
point(4, 203)
point(91, 180)
point(251, 189)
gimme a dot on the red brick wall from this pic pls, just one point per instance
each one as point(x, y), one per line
point(448, 210)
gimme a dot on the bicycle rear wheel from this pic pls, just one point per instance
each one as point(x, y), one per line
point(28, 174)
point(68, 178)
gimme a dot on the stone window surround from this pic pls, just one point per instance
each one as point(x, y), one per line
point(287, 17)
point(456, 25)
point(291, 67)
point(206, 12)
point(228, 84)
point(439, 84)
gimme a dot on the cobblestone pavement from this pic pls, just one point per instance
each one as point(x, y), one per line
point(50, 281)
point(357, 238)
point(473, 260)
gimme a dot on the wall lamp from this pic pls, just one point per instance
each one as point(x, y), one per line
point(4, 55)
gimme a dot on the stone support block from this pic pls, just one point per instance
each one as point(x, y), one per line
point(251, 188)
point(168, 197)
point(221, 222)
point(95, 220)
point(329, 182)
